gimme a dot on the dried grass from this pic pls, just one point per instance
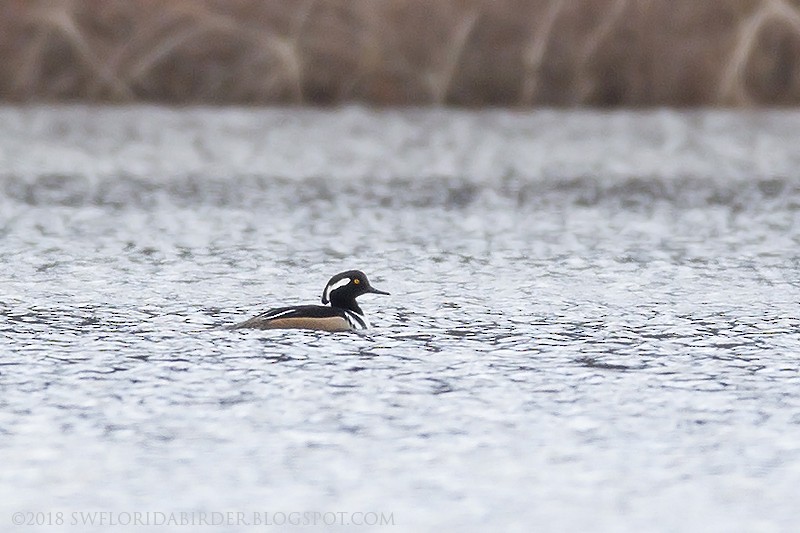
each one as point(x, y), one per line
point(389, 52)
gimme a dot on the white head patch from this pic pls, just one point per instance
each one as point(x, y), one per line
point(333, 286)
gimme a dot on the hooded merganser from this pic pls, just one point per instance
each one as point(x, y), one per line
point(342, 315)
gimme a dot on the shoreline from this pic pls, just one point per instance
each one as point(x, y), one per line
point(507, 53)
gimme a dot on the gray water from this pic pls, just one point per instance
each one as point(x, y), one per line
point(593, 323)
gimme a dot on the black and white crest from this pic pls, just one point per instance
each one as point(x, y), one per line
point(343, 289)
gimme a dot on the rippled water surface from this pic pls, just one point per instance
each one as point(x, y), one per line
point(593, 323)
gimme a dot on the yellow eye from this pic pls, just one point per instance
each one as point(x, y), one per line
point(356, 281)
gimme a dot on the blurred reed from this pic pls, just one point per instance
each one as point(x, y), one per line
point(403, 52)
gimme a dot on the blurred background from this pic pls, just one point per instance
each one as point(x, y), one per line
point(515, 53)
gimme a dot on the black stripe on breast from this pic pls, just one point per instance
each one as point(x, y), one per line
point(356, 321)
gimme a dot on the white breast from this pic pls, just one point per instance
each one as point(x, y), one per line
point(356, 321)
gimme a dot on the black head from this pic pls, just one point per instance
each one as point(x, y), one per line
point(343, 289)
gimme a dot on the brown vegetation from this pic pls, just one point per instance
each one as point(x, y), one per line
point(388, 52)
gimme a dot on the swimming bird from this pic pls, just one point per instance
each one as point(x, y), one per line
point(343, 314)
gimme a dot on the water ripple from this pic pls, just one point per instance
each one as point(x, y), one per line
point(580, 350)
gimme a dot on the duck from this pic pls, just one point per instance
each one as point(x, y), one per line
point(343, 313)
